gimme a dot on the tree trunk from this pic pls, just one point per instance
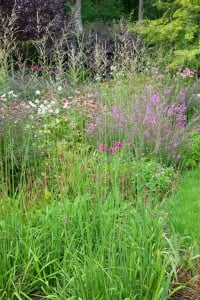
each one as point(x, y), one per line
point(140, 10)
point(78, 17)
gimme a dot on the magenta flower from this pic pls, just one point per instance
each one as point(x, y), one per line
point(118, 145)
point(112, 150)
point(103, 147)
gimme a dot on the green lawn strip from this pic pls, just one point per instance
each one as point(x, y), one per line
point(184, 207)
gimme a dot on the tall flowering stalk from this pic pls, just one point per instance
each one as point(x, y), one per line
point(154, 125)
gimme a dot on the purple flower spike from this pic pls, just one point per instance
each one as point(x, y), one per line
point(155, 99)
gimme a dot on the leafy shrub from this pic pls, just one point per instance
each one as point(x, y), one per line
point(178, 24)
point(186, 58)
point(192, 158)
point(32, 28)
point(176, 30)
point(32, 18)
point(131, 177)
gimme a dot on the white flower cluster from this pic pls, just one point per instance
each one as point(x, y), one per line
point(45, 107)
point(8, 96)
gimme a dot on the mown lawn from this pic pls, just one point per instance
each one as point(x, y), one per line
point(184, 206)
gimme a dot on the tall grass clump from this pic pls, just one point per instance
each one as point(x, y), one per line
point(84, 249)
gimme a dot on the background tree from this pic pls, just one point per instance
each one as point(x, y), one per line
point(140, 10)
point(177, 30)
point(102, 9)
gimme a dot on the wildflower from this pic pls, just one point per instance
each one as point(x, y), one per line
point(118, 145)
point(91, 128)
point(168, 91)
point(112, 150)
point(181, 108)
point(59, 88)
point(53, 102)
point(198, 128)
point(187, 73)
point(37, 92)
point(66, 105)
point(12, 94)
point(49, 106)
point(41, 110)
point(32, 104)
point(52, 72)
point(155, 99)
point(34, 68)
point(170, 111)
point(98, 77)
point(26, 127)
point(40, 69)
point(103, 147)
point(147, 134)
point(181, 95)
point(175, 144)
point(56, 111)
point(3, 97)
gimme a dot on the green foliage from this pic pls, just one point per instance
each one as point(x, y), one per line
point(180, 26)
point(186, 58)
point(80, 223)
point(184, 208)
point(177, 29)
point(115, 9)
point(84, 249)
point(103, 9)
point(136, 178)
point(156, 178)
point(192, 159)
point(3, 81)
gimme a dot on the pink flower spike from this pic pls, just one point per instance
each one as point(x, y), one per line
point(103, 147)
point(155, 99)
point(112, 150)
point(118, 145)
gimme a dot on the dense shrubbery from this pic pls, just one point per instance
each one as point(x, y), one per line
point(32, 19)
point(29, 27)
